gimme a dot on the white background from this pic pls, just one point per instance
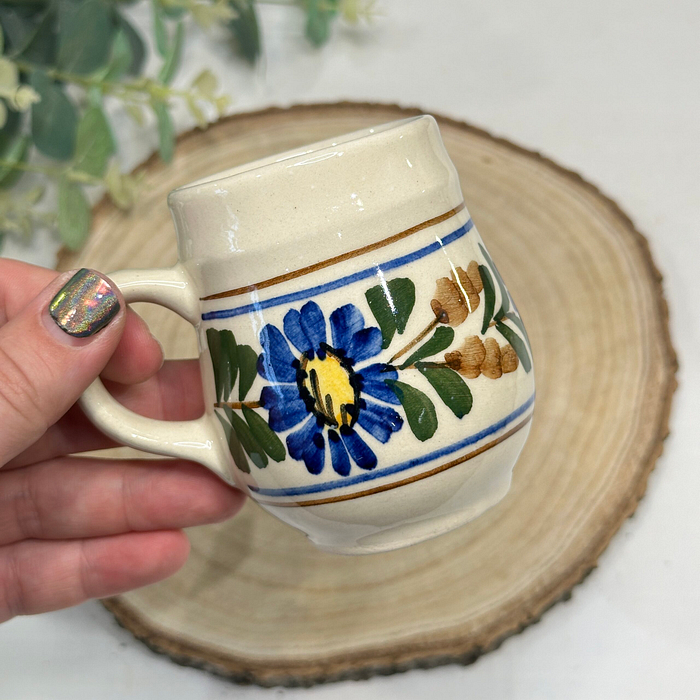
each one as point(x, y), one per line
point(610, 88)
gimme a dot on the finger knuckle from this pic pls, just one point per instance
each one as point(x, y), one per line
point(13, 593)
point(126, 497)
point(86, 573)
point(26, 505)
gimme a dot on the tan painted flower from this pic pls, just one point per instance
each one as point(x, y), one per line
point(491, 366)
point(458, 295)
point(474, 275)
point(467, 360)
point(509, 359)
point(475, 357)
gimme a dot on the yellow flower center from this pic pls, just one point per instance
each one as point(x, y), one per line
point(328, 382)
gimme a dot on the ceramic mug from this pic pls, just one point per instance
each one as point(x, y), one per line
point(367, 376)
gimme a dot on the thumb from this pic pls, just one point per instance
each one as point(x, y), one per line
point(52, 351)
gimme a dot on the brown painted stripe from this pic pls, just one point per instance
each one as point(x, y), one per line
point(403, 482)
point(338, 258)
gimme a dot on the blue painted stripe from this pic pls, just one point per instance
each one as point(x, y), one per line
point(342, 281)
point(401, 466)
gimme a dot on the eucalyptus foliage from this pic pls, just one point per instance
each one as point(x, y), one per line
point(60, 60)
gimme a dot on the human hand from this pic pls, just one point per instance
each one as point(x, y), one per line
point(74, 528)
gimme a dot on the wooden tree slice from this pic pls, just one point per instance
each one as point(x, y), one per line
point(257, 602)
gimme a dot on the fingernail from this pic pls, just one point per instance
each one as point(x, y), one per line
point(84, 305)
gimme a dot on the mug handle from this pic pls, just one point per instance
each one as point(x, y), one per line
point(197, 440)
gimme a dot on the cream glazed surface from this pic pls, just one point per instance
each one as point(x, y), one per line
point(367, 376)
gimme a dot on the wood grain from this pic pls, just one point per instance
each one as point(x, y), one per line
point(257, 603)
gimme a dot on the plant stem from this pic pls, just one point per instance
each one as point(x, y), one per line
point(327, 7)
point(29, 168)
point(73, 175)
point(427, 364)
point(416, 340)
point(85, 81)
point(142, 87)
point(282, 3)
point(238, 404)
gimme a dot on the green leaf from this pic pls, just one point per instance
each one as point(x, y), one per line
point(505, 299)
point(40, 43)
point(450, 387)
point(205, 84)
point(224, 359)
point(15, 152)
point(392, 306)
point(160, 31)
point(518, 344)
point(250, 444)
point(264, 435)
point(122, 188)
point(73, 214)
point(501, 313)
point(214, 345)
point(319, 15)
point(234, 445)
point(9, 131)
point(138, 49)
point(441, 340)
point(94, 143)
point(121, 58)
point(94, 97)
point(14, 148)
point(166, 131)
point(248, 365)
point(489, 297)
point(196, 112)
point(403, 294)
point(85, 37)
point(487, 257)
point(519, 323)
point(246, 30)
point(221, 103)
point(173, 56)
point(19, 25)
point(229, 363)
point(420, 410)
point(379, 306)
point(173, 11)
point(54, 119)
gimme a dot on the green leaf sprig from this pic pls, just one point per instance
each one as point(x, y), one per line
point(246, 431)
point(521, 345)
point(61, 60)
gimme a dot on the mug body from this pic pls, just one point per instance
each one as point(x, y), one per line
point(367, 366)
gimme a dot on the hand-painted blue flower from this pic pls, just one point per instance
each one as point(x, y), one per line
point(324, 387)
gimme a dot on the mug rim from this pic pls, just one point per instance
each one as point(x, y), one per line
point(317, 149)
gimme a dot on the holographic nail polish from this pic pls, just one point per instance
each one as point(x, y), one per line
point(84, 305)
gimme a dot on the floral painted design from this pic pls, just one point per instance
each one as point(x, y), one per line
point(330, 397)
point(326, 386)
